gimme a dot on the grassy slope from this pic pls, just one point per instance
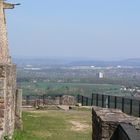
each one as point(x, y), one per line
point(54, 125)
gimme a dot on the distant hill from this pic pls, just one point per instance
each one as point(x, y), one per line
point(72, 62)
point(128, 62)
point(40, 61)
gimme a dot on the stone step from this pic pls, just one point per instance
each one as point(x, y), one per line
point(63, 107)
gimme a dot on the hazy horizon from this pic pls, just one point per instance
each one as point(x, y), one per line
point(71, 58)
point(99, 30)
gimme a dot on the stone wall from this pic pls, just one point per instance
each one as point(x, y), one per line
point(9, 93)
point(4, 50)
point(7, 99)
point(67, 100)
point(105, 121)
point(18, 109)
point(58, 100)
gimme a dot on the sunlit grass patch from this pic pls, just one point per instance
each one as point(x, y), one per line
point(55, 125)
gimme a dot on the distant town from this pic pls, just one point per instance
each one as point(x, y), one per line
point(123, 77)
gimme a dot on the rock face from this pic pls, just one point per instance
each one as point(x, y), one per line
point(105, 122)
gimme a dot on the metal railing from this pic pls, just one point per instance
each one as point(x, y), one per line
point(38, 99)
point(129, 105)
point(43, 100)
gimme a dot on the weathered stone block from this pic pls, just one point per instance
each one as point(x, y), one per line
point(1, 93)
point(2, 106)
point(2, 83)
point(7, 98)
point(1, 113)
point(105, 122)
point(67, 100)
point(18, 109)
point(2, 71)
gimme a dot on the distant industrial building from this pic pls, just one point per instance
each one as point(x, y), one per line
point(100, 75)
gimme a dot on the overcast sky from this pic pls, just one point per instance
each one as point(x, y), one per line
point(98, 29)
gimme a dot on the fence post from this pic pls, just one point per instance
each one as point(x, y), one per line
point(139, 108)
point(92, 100)
point(109, 101)
point(96, 99)
point(130, 106)
point(115, 102)
point(39, 99)
point(86, 101)
point(43, 99)
point(102, 100)
point(27, 99)
point(82, 100)
point(122, 104)
point(78, 98)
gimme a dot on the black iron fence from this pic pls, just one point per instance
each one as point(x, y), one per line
point(129, 105)
point(42, 100)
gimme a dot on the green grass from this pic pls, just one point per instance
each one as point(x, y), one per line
point(54, 125)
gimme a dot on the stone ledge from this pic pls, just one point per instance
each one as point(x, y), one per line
point(105, 121)
point(116, 115)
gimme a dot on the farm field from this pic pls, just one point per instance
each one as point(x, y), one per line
point(68, 88)
point(55, 125)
